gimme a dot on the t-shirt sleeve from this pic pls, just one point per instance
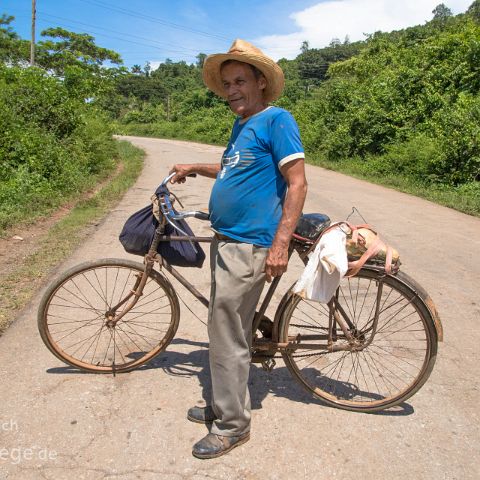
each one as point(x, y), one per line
point(285, 139)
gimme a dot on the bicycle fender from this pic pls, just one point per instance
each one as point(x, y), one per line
point(409, 282)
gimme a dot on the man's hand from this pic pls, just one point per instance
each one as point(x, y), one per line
point(181, 170)
point(277, 258)
point(277, 261)
point(209, 170)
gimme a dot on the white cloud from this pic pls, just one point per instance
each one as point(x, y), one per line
point(339, 18)
point(154, 64)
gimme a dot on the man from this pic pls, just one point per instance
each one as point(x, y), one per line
point(254, 206)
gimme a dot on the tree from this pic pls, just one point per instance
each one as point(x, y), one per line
point(335, 42)
point(201, 59)
point(441, 13)
point(314, 63)
point(147, 69)
point(305, 46)
point(72, 49)
point(12, 49)
point(136, 69)
point(474, 10)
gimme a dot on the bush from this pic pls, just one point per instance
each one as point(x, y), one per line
point(51, 144)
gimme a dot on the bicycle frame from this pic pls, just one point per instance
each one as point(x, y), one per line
point(387, 317)
point(337, 315)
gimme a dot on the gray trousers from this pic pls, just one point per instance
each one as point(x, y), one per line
point(237, 283)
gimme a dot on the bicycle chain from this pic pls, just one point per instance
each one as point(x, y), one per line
point(298, 354)
point(294, 355)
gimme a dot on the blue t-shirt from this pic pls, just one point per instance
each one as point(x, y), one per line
point(247, 197)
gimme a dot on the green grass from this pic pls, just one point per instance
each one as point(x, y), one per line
point(18, 287)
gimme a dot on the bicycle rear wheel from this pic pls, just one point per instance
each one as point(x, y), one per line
point(73, 323)
point(374, 376)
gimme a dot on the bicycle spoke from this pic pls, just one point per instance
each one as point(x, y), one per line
point(150, 328)
point(153, 311)
point(96, 346)
point(85, 298)
point(144, 304)
point(93, 341)
point(114, 286)
point(88, 324)
point(106, 350)
point(378, 367)
point(78, 330)
point(364, 297)
point(363, 374)
point(81, 342)
point(74, 307)
point(66, 321)
point(383, 376)
point(382, 328)
point(140, 349)
point(85, 306)
point(132, 331)
point(397, 357)
point(346, 302)
point(104, 295)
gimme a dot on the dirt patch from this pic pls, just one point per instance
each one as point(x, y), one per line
point(21, 242)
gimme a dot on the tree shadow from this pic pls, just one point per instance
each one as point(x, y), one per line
point(278, 382)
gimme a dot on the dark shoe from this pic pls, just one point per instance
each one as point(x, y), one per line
point(201, 414)
point(213, 446)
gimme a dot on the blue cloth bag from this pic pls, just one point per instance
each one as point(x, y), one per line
point(138, 232)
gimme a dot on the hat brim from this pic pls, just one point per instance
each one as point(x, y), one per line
point(272, 72)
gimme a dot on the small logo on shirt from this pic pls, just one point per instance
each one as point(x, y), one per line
point(229, 161)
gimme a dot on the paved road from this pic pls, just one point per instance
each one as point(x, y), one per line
point(56, 423)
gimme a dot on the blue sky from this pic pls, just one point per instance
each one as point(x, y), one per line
point(153, 30)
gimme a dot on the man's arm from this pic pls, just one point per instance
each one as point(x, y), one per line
point(277, 258)
point(205, 169)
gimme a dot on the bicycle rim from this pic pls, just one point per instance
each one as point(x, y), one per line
point(378, 375)
point(73, 322)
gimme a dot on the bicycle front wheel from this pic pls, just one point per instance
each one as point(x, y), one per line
point(384, 367)
point(73, 317)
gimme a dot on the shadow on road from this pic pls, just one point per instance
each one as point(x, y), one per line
point(279, 382)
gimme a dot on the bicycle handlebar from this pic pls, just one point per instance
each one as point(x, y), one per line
point(167, 208)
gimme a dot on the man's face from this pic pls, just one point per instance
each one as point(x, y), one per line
point(244, 92)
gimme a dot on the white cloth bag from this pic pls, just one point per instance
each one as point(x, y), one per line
point(326, 267)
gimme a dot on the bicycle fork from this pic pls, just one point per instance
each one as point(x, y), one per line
point(137, 291)
point(338, 317)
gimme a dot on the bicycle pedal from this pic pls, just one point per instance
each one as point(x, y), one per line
point(268, 364)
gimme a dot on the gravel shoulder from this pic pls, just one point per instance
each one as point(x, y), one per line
point(56, 423)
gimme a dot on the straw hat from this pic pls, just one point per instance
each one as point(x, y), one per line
point(243, 51)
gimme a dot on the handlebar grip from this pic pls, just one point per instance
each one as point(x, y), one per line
point(202, 215)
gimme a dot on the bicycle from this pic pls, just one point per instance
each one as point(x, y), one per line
point(370, 348)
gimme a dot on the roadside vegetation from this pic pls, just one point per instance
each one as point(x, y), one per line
point(56, 140)
point(400, 108)
point(52, 246)
point(61, 170)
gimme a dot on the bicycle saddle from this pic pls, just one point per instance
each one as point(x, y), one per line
point(311, 225)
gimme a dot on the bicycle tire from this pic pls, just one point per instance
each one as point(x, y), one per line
point(369, 380)
point(73, 309)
